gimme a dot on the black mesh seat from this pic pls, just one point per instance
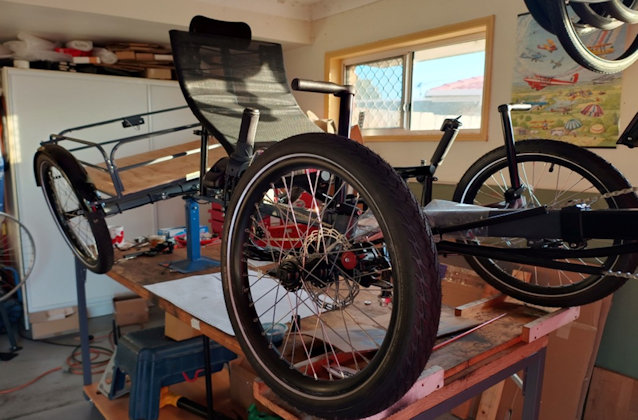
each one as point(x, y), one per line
point(221, 76)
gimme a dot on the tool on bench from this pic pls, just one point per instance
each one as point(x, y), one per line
point(165, 247)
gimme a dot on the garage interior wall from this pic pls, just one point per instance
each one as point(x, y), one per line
point(391, 18)
point(306, 43)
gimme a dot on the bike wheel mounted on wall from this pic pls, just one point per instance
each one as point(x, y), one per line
point(553, 16)
point(68, 193)
point(330, 276)
point(553, 174)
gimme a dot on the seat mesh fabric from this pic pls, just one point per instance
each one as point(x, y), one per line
point(221, 76)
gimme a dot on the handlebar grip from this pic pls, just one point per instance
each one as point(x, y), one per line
point(321, 87)
point(520, 107)
point(514, 107)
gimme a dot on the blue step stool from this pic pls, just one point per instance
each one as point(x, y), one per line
point(152, 361)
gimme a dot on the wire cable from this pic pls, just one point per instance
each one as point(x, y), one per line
point(32, 381)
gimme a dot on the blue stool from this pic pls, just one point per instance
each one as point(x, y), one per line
point(153, 361)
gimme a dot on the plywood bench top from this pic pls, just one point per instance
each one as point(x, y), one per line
point(160, 173)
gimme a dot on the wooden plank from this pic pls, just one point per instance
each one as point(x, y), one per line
point(550, 322)
point(490, 400)
point(471, 377)
point(430, 380)
point(268, 399)
point(163, 172)
point(470, 309)
point(117, 409)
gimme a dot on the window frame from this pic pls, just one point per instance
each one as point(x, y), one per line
point(336, 61)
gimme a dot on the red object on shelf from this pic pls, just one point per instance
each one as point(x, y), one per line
point(73, 52)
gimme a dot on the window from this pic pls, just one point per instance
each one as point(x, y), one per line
point(407, 86)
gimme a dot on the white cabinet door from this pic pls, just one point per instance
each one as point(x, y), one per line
point(39, 103)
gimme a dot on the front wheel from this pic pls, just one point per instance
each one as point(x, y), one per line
point(554, 174)
point(330, 276)
point(69, 195)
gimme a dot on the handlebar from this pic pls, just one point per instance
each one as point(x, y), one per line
point(322, 87)
point(514, 107)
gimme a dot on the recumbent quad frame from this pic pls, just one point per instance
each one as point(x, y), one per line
point(323, 239)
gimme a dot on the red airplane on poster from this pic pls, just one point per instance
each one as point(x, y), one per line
point(538, 82)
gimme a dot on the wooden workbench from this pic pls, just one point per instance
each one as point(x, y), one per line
point(464, 368)
point(136, 273)
point(453, 373)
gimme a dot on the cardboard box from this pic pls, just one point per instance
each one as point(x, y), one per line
point(242, 377)
point(158, 73)
point(144, 56)
point(125, 55)
point(54, 322)
point(177, 329)
point(129, 311)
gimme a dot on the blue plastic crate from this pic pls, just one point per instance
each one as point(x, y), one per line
point(152, 361)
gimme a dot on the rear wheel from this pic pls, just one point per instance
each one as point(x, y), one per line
point(553, 174)
point(69, 195)
point(340, 313)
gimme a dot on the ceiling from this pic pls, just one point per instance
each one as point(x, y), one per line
point(63, 20)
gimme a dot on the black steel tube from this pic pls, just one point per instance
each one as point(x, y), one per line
point(97, 124)
point(510, 148)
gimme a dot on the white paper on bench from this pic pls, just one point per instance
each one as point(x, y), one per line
point(202, 297)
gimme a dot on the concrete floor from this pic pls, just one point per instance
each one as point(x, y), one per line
point(59, 394)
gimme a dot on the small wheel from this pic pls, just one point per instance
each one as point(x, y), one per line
point(553, 174)
point(351, 276)
point(69, 194)
point(570, 39)
point(17, 255)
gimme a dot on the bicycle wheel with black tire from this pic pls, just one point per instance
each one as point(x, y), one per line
point(571, 41)
point(554, 174)
point(69, 194)
point(341, 319)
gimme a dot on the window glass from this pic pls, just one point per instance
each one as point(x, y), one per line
point(448, 82)
point(379, 86)
point(406, 86)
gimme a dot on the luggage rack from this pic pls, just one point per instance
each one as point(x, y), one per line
point(148, 177)
point(134, 180)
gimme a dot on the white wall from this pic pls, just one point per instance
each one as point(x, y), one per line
point(391, 18)
point(147, 20)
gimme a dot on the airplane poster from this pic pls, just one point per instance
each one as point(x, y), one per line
point(570, 103)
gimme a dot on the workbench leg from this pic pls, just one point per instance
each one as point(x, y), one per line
point(80, 284)
point(533, 386)
point(209, 380)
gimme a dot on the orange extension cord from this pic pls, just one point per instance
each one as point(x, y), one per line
point(74, 367)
